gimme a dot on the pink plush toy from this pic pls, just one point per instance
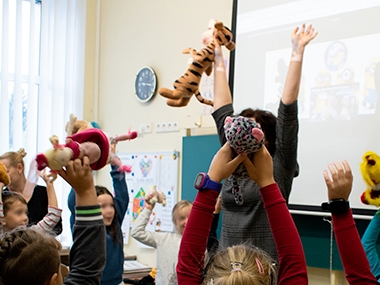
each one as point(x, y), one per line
point(90, 142)
point(74, 126)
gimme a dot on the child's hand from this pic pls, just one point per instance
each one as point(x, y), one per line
point(223, 165)
point(260, 169)
point(46, 177)
point(78, 174)
point(340, 184)
point(148, 204)
point(218, 205)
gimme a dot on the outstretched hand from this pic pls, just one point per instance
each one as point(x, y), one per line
point(78, 174)
point(339, 185)
point(223, 164)
point(301, 37)
point(260, 169)
point(46, 177)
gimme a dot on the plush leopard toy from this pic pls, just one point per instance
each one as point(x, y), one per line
point(188, 84)
point(244, 135)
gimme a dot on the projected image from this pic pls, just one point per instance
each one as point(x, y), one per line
point(338, 81)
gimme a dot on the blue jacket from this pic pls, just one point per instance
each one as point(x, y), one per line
point(113, 271)
point(369, 243)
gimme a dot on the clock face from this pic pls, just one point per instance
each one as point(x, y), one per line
point(145, 84)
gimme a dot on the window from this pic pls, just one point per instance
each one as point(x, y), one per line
point(41, 77)
point(19, 70)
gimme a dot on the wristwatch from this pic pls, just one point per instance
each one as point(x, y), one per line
point(336, 206)
point(203, 181)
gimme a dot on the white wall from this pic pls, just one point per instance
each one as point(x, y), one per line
point(127, 35)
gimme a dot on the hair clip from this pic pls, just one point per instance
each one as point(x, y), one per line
point(259, 266)
point(236, 266)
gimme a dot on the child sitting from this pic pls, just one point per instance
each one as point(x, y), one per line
point(14, 209)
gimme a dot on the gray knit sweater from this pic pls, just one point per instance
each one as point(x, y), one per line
point(248, 223)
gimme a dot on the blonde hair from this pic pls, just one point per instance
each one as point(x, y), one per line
point(28, 256)
point(14, 157)
point(238, 265)
point(179, 206)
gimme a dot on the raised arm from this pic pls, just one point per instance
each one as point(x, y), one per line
point(139, 231)
point(54, 214)
point(292, 263)
point(222, 93)
point(194, 239)
point(300, 38)
point(89, 231)
point(121, 192)
point(52, 197)
point(354, 260)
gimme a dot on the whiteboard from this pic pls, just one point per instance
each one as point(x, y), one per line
point(338, 102)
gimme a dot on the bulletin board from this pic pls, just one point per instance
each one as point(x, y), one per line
point(151, 169)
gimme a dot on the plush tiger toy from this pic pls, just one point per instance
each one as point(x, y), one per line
point(188, 84)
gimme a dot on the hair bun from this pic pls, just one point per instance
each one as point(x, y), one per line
point(22, 152)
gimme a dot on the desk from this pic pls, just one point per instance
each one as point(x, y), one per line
point(64, 253)
point(135, 275)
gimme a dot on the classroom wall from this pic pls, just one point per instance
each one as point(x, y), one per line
point(123, 36)
point(130, 35)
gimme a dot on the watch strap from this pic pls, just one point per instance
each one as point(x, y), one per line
point(206, 183)
point(212, 185)
point(336, 206)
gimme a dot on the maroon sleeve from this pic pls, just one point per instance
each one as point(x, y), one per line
point(194, 239)
point(292, 263)
point(351, 251)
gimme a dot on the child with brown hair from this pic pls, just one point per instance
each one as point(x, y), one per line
point(39, 253)
point(35, 195)
point(14, 209)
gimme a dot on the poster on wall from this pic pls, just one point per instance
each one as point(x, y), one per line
point(149, 170)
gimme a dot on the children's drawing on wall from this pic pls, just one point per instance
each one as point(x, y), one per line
point(152, 172)
point(337, 84)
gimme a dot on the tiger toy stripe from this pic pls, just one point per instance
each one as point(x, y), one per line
point(188, 84)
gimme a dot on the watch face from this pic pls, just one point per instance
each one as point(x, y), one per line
point(145, 84)
point(199, 180)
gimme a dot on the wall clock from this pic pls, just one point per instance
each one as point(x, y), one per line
point(145, 84)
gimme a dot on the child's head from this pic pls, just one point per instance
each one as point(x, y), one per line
point(29, 256)
point(240, 264)
point(107, 204)
point(180, 214)
point(15, 211)
point(14, 162)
